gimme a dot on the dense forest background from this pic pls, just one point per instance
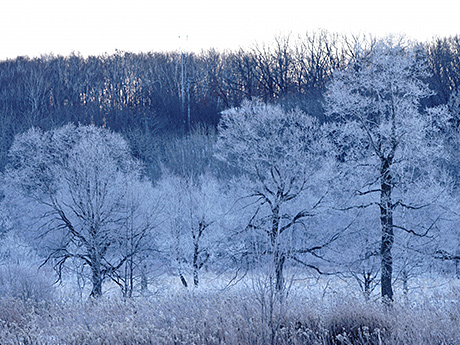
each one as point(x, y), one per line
point(164, 94)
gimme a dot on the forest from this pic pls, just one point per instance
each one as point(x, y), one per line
point(303, 191)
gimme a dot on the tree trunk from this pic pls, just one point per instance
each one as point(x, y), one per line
point(196, 264)
point(279, 265)
point(278, 257)
point(367, 276)
point(181, 276)
point(386, 220)
point(195, 275)
point(96, 277)
point(130, 287)
point(183, 280)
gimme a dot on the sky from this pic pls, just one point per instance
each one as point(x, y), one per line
point(93, 27)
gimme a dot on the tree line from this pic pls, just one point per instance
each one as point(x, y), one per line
point(171, 92)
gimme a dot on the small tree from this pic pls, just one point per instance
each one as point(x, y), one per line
point(137, 238)
point(76, 181)
point(193, 208)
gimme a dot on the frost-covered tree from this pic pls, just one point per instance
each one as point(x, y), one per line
point(285, 159)
point(193, 211)
point(137, 236)
point(361, 261)
point(75, 182)
point(389, 143)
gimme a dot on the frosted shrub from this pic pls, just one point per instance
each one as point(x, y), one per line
point(20, 276)
point(26, 283)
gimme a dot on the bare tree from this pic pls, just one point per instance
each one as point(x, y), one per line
point(444, 65)
point(192, 213)
point(78, 178)
point(286, 160)
point(137, 240)
point(384, 134)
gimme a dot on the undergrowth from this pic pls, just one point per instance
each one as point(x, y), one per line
point(231, 317)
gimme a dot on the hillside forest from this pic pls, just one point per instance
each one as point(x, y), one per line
point(183, 186)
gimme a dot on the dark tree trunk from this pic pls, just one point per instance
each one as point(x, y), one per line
point(182, 279)
point(279, 262)
point(197, 263)
point(456, 259)
point(130, 285)
point(278, 257)
point(196, 267)
point(367, 284)
point(96, 278)
point(386, 220)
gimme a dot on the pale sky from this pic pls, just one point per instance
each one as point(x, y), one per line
point(92, 27)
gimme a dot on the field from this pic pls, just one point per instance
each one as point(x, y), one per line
point(312, 311)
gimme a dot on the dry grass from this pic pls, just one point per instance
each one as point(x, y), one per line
point(234, 316)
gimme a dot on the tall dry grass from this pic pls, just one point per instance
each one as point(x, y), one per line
point(233, 316)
